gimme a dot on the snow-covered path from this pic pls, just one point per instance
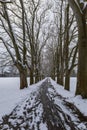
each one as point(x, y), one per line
point(44, 109)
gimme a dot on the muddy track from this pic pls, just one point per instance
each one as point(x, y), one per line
point(40, 108)
point(55, 118)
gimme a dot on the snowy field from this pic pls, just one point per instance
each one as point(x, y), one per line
point(11, 95)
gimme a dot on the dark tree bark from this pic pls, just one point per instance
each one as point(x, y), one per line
point(61, 48)
point(31, 76)
point(80, 14)
point(36, 75)
point(82, 61)
point(23, 79)
point(23, 72)
point(67, 80)
point(60, 59)
point(66, 48)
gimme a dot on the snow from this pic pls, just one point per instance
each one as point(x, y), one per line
point(80, 103)
point(69, 96)
point(73, 85)
point(43, 126)
point(61, 91)
point(11, 95)
point(84, 3)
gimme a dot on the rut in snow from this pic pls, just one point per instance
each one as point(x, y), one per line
point(44, 110)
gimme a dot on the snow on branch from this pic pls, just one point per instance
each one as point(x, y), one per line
point(6, 1)
point(84, 3)
point(78, 5)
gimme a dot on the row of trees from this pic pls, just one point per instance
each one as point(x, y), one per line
point(68, 60)
point(23, 26)
point(61, 49)
point(46, 39)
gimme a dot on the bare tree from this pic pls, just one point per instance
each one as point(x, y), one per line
point(18, 59)
point(66, 35)
point(70, 36)
point(37, 36)
point(80, 10)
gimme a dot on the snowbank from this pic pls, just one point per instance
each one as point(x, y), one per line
point(80, 103)
point(11, 95)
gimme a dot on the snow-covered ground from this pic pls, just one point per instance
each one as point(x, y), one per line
point(11, 95)
point(80, 103)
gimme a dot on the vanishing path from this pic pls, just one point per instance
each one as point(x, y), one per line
point(44, 110)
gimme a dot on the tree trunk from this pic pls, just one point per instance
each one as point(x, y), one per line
point(82, 68)
point(23, 79)
point(58, 71)
point(32, 66)
point(81, 16)
point(61, 79)
point(60, 50)
point(82, 61)
point(66, 48)
point(31, 77)
point(67, 80)
point(36, 76)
